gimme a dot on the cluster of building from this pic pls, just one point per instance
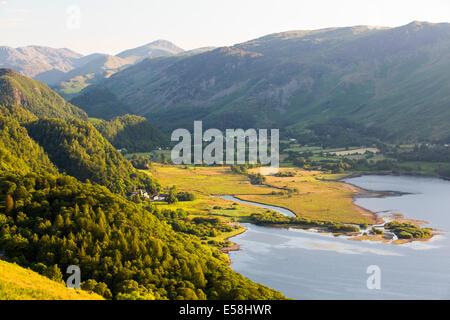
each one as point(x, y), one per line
point(144, 194)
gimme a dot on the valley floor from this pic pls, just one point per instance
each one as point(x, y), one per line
point(311, 195)
point(307, 195)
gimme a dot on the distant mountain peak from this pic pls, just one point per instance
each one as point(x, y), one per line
point(158, 48)
point(419, 23)
point(164, 43)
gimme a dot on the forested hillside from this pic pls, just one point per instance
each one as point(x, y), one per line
point(35, 97)
point(124, 251)
point(79, 150)
point(101, 103)
point(49, 219)
point(19, 152)
point(133, 133)
point(18, 113)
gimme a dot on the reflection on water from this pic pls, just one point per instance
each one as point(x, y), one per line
point(308, 265)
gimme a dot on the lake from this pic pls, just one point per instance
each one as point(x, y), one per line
point(309, 265)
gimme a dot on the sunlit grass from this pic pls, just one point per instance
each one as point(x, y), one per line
point(206, 180)
point(17, 283)
point(314, 198)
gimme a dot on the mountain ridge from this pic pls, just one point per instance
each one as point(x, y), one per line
point(156, 48)
point(292, 79)
point(35, 97)
point(32, 60)
point(61, 65)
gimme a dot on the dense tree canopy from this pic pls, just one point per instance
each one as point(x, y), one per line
point(35, 97)
point(49, 219)
point(19, 152)
point(130, 132)
point(49, 222)
point(100, 103)
point(78, 149)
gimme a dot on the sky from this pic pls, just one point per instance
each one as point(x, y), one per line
point(111, 26)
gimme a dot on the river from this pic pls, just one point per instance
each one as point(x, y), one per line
point(308, 265)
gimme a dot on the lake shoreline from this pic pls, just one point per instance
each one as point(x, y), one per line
point(358, 192)
point(400, 217)
point(301, 264)
point(383, 173)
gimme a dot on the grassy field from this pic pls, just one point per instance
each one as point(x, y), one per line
point(17, 283)
point(336, 151)
point(206, 180)
point(72, 87)
point(315, 199)
point(206, 205)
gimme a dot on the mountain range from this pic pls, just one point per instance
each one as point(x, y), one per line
point(69, 72)
point(395, 80)
point(159, 48)
point(34, 60)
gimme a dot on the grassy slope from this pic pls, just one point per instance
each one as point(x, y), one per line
point(206, 180)
point(17, 283)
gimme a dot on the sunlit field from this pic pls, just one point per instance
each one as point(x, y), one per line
point(310, 196)
point(206, 180)
point(313, 198)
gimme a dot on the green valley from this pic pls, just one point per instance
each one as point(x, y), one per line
point(64, 201)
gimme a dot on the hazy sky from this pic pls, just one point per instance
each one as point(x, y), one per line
point(111, 26)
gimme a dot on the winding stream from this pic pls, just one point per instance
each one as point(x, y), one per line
point(310, 265)
point(284, 211)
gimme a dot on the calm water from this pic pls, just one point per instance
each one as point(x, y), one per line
point(307, 265)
